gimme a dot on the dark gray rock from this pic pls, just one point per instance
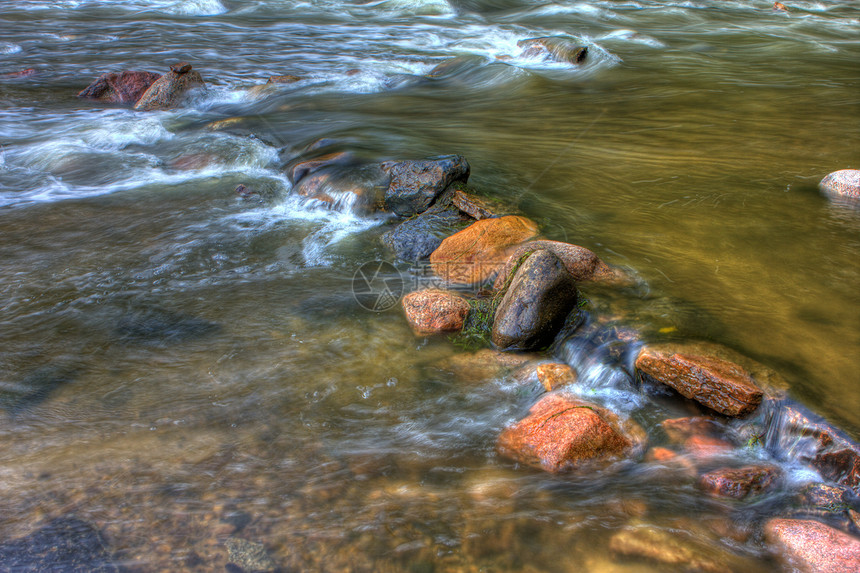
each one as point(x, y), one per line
point(415, 238)
point(66, 544)
point(415, 184)
point(532, 311)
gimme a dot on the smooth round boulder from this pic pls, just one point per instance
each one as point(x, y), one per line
point(582, 264)
point(415, 184)
point(532, 311)
point(812, 547)
point(842, 183)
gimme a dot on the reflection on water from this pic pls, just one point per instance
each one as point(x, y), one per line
point(182, 366)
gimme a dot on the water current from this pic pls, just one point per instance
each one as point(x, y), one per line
point(183, 367)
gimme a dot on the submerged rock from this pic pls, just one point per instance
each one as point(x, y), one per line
point(356, 187)
point(738, 483)
point(157, 326)
point(124, 87)
point(660, 546)
point(557, 48)
point(170, 89)
point(415, 184)
point(35, 388)
point(554, 375)
point(582, 264)
point(476, 253)
point(484, 364)
point(718, 384)
point(416, 238)
point(66, 544)
point(813, 547)
point(536, 304)
point(561, 433)
point(297, 170)
point(678, 430)
point(26, 73)
point(842, 183)
point(434, 311)
point(250, 556)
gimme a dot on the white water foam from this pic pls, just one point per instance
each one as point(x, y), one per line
point(9, 48)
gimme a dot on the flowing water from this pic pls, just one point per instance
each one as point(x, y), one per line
point(182, 367)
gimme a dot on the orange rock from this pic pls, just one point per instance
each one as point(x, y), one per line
point(555, 375)
point(718, 384)
point(660, 455)
point(432, 311)
point(811, 546)
point(476, 253)
point(780, 6)
point(680, 429)
point(562, 433)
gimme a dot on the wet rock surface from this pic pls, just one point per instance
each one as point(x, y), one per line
point(415, 184)
point(556, 48)
point(249, 556)
point(357, 187)
point(555, 375)
point(792, 432)
point(536, 304)
point(718, 384)
point(124, 87)
point(739, 483)
point(679, 430)
point(66, 544)
point(582, 264)
point(435, 311)
point(813, 547)
point(476, 253)
point(170, 89)
point(416, 238)
point(298, 169)
point(562, 433)
point(484, 364)
point(844, 183)
point(478, 207)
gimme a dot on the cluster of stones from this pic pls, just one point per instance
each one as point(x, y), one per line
point(146, 91)
point(472, 243)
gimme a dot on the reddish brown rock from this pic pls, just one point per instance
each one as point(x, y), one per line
point(780, 6)
point(476, 253)
point(555, 375)
point(842, 183)
point(536, 304)
point(562, 433)
point(718, 384)
point(180, 68)
point(432, 311)
point(679, 430)
point(170, 89)
point(285, 79)
point(582, 264)
point(125, 87)
point(298, 170)
point(738, 483)
point(19, 74)
point(813, 547)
